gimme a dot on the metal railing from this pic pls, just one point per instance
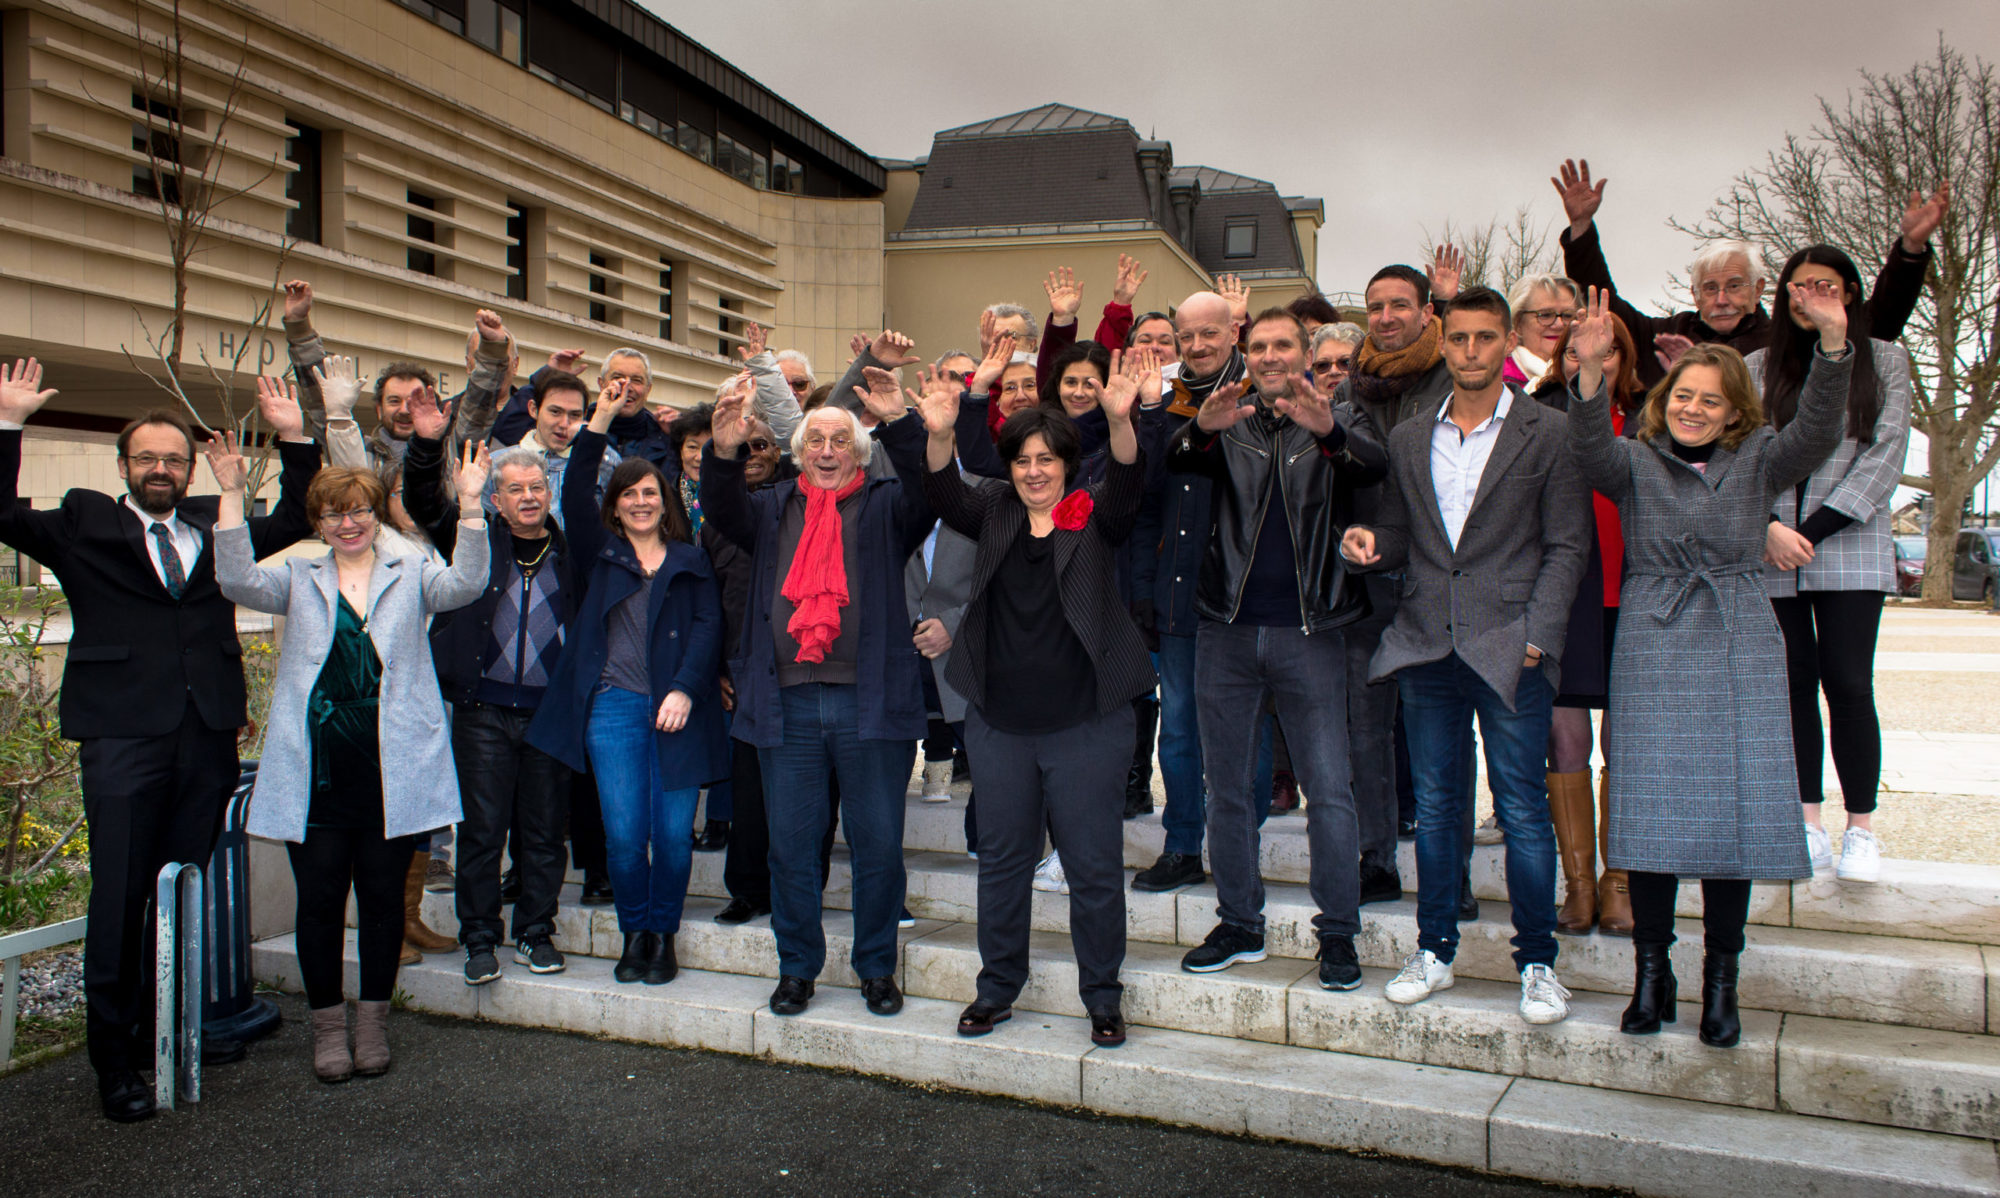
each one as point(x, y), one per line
point(12, 948)
point(178, 907)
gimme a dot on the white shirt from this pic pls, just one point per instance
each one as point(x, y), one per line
point(187, 542)
point(1458, 459)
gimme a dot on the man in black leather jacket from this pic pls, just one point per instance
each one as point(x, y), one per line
point(1273, 597)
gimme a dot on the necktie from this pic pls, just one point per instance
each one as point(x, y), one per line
point(170, 562)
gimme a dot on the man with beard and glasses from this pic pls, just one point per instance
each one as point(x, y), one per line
point(152, 687)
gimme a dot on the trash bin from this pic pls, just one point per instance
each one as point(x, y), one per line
point(232, 1009)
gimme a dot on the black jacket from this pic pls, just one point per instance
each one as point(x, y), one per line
point(1317, 478)
point(136, 656)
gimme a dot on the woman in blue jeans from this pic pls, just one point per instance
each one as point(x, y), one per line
point(635, 690)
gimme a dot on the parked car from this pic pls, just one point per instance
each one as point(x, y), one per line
point(1976, 564)
point(1910, 565)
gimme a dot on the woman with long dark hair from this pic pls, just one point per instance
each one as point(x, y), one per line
point(1829, 541)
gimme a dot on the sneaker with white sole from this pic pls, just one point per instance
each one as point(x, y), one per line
point(1543, 998)
point(539, 956)
point(1049, 875)
point(937, 781)
point(1860, 857)
point(1488, 831)
point(1422, 976)
point(1819, 846)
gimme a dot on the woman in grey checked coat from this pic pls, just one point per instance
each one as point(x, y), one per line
point(1829, 541)
point(1701, 770)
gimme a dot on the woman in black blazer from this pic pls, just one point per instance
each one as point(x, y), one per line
point(1049, 662)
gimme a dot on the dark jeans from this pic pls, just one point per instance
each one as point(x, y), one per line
point(505, 783)
point(1185, 818)
point(1725, 908)
point(148, 801)
point(1830, 644)
point(331, 862)
point(1239, 667)
point(1371, 729)
point(648, 832)
point(822, 737)
point(1440, 700)
point(1071, 784)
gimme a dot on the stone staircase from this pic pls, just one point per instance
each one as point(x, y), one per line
point(1866, 1064)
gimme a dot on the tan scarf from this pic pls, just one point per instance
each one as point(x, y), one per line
point(1415, 358)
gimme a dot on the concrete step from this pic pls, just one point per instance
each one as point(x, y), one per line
point(1517, 1126)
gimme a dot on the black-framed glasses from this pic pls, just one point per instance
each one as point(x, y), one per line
point(360, 515)
point(1549, 316)
point(172, 461)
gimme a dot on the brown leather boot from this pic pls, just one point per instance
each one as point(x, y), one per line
point(418, 939)
point(1572, 807)
point(1614, 895)
point(371, 1038)
point(331, 1060)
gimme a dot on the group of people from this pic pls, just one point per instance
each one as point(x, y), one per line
point(1273, 548)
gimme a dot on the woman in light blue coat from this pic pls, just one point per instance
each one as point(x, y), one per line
point(357, 755)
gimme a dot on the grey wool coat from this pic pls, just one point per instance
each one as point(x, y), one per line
point(942, 593)
point(1699, 730)
point(419, 781)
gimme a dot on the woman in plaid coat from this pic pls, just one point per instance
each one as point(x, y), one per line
point(1702, 778)
point(1829, 541)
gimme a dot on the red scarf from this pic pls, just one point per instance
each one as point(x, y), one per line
point(817, 581)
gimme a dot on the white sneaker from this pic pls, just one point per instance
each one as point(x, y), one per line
point(1488, 831)
point(1860, 857)
point(1423, 975)
point(1049, 875)
point(937, 781)
point(1543, 999)
point(1820, 847)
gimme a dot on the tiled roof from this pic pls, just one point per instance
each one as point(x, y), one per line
point(1030, 178)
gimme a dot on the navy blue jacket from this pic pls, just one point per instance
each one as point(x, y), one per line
point(894, 522)
point(1168, 546)
point(684, 632)
point(635, 436)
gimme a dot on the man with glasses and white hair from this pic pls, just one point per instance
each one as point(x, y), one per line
point(1728, 279)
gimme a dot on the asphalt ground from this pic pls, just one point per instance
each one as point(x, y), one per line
point(483, 1108)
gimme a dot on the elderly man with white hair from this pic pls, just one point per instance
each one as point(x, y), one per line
point(825, 678)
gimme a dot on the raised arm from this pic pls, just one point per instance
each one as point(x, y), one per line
point(725, 497)
point(44, 536)
point(306, 350)
point(339, 388)
point(582, 520)
point(479, 404)
point(773, 402)
point(447, 589)
point(424, 494)
point(1603, 459)
point(958, 504)
point(1875, 473)
point(298, 460)
point(243, 581)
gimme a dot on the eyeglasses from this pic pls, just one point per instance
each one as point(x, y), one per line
point(360, 515)
point(1547, 316)
point(1736, 288)
point(172, 461)
point(759, 445)
point(799, 384)
point(838, 441)
point(1330, 367)
point(517, 490)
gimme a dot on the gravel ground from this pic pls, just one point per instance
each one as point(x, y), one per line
point(52, 984)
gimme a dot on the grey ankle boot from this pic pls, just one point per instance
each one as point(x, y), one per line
point(331, 1060)
point(371, 1038)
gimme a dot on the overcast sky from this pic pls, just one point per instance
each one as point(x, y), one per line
point(1399, 116)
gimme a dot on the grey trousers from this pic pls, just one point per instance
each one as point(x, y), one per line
point(1236, 667)
point(1072, 783)
point(1371, 727)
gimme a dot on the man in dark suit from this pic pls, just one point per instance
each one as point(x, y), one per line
point(1489, 519)
point(152, 687)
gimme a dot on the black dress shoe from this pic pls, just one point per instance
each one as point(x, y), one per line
point(125, 1095)
point(740, 911)
point(1171, 870)
point(714, 836)
point(1107, 1028)
point(632, 963)
point(1380, 885)
point(1138, 798)
point(661, 966)
point(882, 995)
point(1468, 902)
point(981, 1018)
point(222, 1051)
point(596, 888)
point(792, 995)
point(510, 886)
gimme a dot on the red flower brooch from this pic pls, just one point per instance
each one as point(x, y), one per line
point(1073, 512)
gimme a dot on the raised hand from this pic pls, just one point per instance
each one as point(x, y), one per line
point(1231, 288)
point(298, 301)
point(892, 350)
point(1224, 407)
point(490, 326)
point(856, 346)
point(755, 338)
point(21, 394)
point(1357, 545)
point(883, 396)
point(278, 404)
point(937, 403)
point(1065, 296)
point(567, 360)
point(1823, 303)
point(428, 419)
point(474, 464)
point(1308, 408)
point(1446, 271)
point(1131, 276)
point(1593, 339)
point(731, 420)
point(1923, 216)
point(1668, 348)
point(226, 462)
point(1580, 199)
point(339, 386)
point(989, 328)
point(610, 402)
point(998, 355)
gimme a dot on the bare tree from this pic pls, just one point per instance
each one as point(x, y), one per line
point(1847, 179)
point(1497, 255)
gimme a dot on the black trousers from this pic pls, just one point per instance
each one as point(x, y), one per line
point(505, 783)
point(1071, 784)
point(1830, 645)
point(586, 823)
point(1725, 908)
point(331, 862)
point(148, 800)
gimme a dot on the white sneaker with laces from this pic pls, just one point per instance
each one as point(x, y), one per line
point(1049, 875)
point(1543, 999)
point(1860, 857)
point(937, 781)
point(1488, 831)
point(1422, 976)
point(1820, 847)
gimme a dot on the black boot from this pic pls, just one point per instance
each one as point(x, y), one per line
point(632, 963)
point(1653, 991)
point(661, 964)
point(1139, 779)
point(1720, 1028)
point(713, 837)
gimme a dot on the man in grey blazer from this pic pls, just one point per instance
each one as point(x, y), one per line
point(1487, 516)
point(937, 585)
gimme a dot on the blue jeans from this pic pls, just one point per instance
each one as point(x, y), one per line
point(649, 891)
point(1186, 814)
point(822, 738)
point(1439, 702)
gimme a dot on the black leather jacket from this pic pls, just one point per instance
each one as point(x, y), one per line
point(1316, 476)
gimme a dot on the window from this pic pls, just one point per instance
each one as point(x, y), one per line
point(695, 142)
point(152, 134)
point(440, 13)
point(734, 158)
point(419, 228)
point(725, 324)
point(302, 150)
point(600, 266)
point(1239, 239)
point(666, 299)
point(494, 26)
point(517, 251)
point(787, 174)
